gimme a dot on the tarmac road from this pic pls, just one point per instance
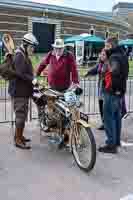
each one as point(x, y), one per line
point(47, 173)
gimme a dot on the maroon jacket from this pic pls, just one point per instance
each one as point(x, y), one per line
point(59, 71)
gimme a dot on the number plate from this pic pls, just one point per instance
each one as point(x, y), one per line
point(84, 117)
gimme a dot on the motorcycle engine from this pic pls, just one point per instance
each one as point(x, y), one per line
point(52, 116)
point(57, 113)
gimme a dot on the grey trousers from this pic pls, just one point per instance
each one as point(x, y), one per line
point(20, 106)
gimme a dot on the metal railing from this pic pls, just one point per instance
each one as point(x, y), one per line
point(89, 99)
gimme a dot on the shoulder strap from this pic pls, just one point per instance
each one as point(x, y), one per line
point(19, 51)
point(27, 60)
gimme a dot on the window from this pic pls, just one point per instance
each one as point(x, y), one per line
point(92, 31)
point(106, 34)
point(117, 35)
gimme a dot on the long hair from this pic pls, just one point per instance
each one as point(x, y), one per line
point(103, 50)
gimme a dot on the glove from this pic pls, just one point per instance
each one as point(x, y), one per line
point(35, 81)
point(76, 88)
point(78, 91)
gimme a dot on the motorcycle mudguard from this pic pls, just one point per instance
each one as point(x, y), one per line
point(85, 124)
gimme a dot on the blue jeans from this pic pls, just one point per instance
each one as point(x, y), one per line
point(112, 118)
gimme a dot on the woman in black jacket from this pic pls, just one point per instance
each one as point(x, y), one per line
point(99, 69)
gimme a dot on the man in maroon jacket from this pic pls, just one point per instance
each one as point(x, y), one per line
point(62, 69)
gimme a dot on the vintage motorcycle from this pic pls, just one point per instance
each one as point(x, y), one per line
point(60, 112)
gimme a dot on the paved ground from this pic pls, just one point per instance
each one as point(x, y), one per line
point(46, 173)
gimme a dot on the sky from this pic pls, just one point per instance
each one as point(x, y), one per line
point(99, 5)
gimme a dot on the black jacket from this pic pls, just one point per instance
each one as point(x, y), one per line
point(118, 62)
point(22, 86)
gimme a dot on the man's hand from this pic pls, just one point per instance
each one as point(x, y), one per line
point(8, 56)
point(74, 86)
point(86, 75)
point(35, 81)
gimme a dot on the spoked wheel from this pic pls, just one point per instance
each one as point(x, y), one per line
point(84, 148)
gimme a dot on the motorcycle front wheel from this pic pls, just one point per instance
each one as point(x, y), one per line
point(83, 147)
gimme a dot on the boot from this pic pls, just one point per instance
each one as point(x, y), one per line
point(23, 138)
point(19, 142)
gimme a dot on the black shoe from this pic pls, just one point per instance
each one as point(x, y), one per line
point(22, 146)
point(101, 128)
point(108, 149)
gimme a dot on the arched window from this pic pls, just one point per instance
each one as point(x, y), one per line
point(106, 34)
point(92, 30)
point(45, 13)
point(117, 35)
